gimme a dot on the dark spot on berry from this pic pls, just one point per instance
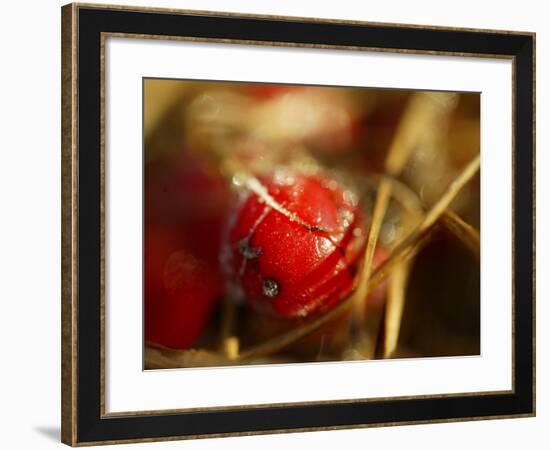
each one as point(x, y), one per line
point(270, 288)
point(247, 251)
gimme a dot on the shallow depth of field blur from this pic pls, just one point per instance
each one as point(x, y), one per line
point(395, 166)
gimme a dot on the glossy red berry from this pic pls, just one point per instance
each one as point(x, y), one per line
point(294, 245)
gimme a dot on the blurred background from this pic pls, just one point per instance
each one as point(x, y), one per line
point(195, 136)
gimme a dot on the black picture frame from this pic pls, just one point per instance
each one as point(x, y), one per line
point(83, 418)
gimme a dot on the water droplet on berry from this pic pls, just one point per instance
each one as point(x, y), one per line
point(236, 180)
point(350, 198)
point(333, 185)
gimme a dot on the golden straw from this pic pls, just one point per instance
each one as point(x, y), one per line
point(420, 115)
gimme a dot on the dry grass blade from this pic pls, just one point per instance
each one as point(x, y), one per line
point(450, 193)
point(159, 357)
point(383, 196)
point(440, 207)
point(419, 116)
point(394, 307)
point(463, 231)
point(423, 109)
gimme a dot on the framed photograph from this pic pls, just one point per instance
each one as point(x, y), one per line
point(276, 224)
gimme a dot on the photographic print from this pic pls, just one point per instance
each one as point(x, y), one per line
point(293, 223)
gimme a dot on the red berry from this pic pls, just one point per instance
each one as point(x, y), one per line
point(185, 205)
point(295, 251)
point(180, 290)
